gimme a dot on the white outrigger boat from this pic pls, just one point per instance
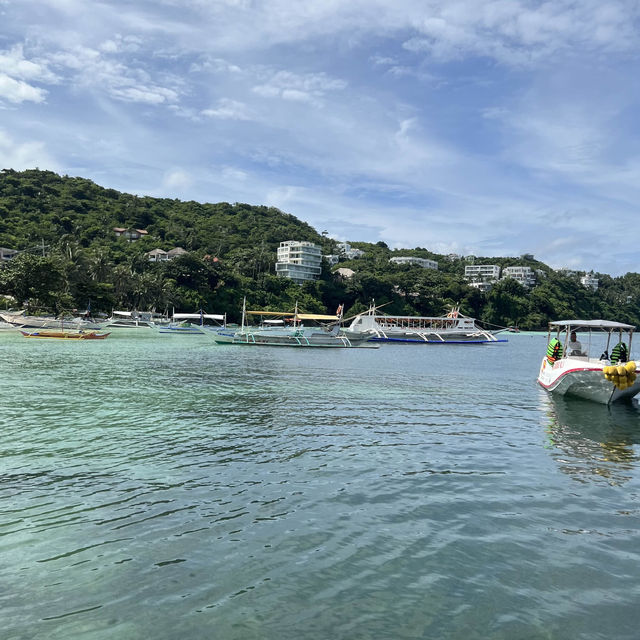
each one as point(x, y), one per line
point(454, 328)
point(183, 324)
point(567, 371)
point(132, 320)
point(287, 330)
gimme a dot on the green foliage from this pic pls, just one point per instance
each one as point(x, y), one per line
point(70, 257)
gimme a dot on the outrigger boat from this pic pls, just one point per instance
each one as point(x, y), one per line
point(181, 323)
point(274, 332)
point(65, 335)
point(133, 320)
point(21, 321)
point(566, 370)
point(454, 328)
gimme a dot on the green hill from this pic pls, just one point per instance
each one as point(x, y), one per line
point(71, 257)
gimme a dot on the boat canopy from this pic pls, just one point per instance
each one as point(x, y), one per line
point(591, 324)
point(292, 314)
point(197, 316)
point(316, 316)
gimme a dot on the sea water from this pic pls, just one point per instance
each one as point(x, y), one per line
point(167, 488)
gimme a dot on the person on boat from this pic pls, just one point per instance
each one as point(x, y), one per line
point(574, 348)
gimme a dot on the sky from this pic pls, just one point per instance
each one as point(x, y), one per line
point(484, 127)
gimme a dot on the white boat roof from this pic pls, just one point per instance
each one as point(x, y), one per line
point(194, 316)
point(593, 324)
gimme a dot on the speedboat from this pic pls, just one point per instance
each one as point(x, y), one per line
point(454, 328)
point(567, 370)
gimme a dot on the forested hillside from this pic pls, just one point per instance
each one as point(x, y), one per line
point(71, 258)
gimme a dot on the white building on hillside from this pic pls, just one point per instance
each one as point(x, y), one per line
point(482, 272)
point(348, 251)
point(425, 263)
point(590, 281)
point(524, 275)
point(299, 261)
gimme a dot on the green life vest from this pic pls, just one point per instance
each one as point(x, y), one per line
point(620, 353)
point(554, 351)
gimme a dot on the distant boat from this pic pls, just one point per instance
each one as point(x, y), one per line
point(21, 321)
point(130, 320)
point(64, 335)
point(454, 328)
point(182, 324)
point(567, 370)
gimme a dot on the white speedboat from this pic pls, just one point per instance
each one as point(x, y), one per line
point(607, 378)
point(454, 328)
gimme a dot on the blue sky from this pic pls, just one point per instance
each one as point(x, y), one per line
point(491, 127)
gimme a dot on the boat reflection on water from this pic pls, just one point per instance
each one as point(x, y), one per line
point(594, 441)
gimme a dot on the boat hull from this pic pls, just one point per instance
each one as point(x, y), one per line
point(289, 340)
point(583, 379)
point(444, 340)
point(64, 335)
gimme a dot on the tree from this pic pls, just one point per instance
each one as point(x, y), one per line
point(39, 281)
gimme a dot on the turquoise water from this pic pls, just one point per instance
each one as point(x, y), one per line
point(168, 488)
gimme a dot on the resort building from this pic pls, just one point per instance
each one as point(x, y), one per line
point(299, 261)
point(481, 286)
point(158, 255)
point(349, 252)
point(130, 234)
point(174, 253)
point(590, 281)
point(7, 254)
point(524, 275)
point(482, 272)
point(425, 263)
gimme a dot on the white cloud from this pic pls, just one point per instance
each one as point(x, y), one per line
point(147, 95)
point(102, 72)
point(227, 109)
point(14, 64)
point(21, 155)
point(299, 87)
point(17, 91)
point(177, 180)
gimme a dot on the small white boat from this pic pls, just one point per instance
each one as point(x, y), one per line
point(183, 324)
point(130, 320)
point(567, 370)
